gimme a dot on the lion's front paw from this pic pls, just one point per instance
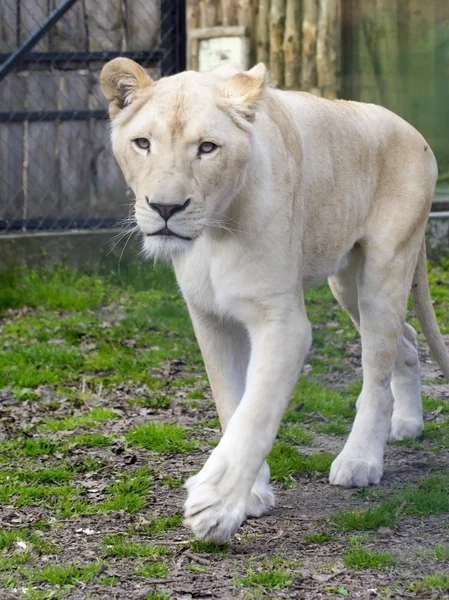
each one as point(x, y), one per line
point(355, 472)
point(216, 504)
point(405, 428)
point(261, 498)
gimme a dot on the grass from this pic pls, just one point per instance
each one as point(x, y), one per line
point(153, 570)
point(202, 547)
point(60, 575)
point(286, 462)
point(160, 437)
point(87, 358)
point(358, 557)
point(269, 574)
point(429, 497)
point(441, 552)
point(89, 419)
point(120, 546)
point(318, 538)
point(436, 582)
point(159, 525)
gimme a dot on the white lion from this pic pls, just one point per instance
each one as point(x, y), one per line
point(256, 194)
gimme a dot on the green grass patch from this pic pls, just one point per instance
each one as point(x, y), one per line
point(61, 575)
point(120, 546)
point(153, 570)
point(161, 437)
point(436, 582)
point(441, 552)
point(202, 547)
point(285, 462)
point(294, 433)
point(429, 497)
point(358, 557)
point(270, 574)
point(319, 538)
point(160, 525)
point(91, 440)
point(60, 288)
point(90, 419)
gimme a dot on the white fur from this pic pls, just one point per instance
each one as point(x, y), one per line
point(307, 189)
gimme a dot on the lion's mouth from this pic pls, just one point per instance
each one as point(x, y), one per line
point(165, 231)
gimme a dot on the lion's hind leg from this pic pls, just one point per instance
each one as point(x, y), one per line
point(373, 288)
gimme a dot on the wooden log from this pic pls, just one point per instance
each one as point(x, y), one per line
point(105, 25)
point(42, 175)
point(328, 48)
point(277, 26)
point(193, 14)
point(32, 14)
point(246, 17)
point(69, 34)
point(292, 44)
point(142, 24)
point(262, 36)
point(209, 13)
point(309, 40)
point(229, 12)
point(75, 147)
point(12, 97)
point(8, 25)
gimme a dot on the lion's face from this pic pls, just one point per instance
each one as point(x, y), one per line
point(183, 144)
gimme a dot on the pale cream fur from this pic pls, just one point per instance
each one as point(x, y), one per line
point(298, 189)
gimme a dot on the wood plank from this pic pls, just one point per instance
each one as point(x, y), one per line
point(229, 12)
point(70, 32)
point(292, 44)
point(8, 25)
point(12, 97)
point(142, 24)
point(193, 14)
point(105, 25)
point(42, 177)
point(277, 25)
point(32, 14)
point(209, 13)
point(107, 193)
point(75, 146)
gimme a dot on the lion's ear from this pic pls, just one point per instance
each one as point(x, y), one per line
point(246, 89)
point(121, 81)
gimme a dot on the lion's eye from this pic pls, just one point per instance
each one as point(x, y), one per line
point(207, 147)
point(142, 143)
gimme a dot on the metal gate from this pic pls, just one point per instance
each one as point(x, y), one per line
point(56, 167)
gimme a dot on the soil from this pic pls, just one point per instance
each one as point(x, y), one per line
point(319, 571)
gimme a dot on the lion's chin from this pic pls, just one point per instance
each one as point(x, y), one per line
point(165, 248)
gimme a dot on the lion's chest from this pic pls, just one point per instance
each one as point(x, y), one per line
point(216, 284)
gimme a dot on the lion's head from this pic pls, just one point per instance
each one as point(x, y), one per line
point(183, 144)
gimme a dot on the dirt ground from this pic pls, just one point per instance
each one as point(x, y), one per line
point(279, 541)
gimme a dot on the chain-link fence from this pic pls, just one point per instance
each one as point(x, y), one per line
point(56, 167)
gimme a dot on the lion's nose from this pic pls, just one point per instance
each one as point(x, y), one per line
point(168, 210)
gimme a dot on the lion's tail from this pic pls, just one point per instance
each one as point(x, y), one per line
point(425, 313)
